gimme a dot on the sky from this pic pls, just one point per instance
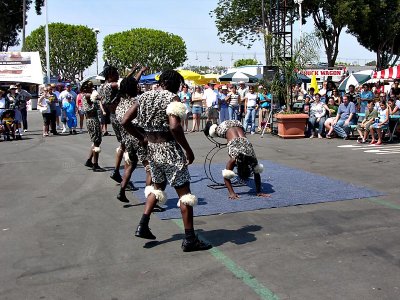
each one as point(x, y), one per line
point(188, 19)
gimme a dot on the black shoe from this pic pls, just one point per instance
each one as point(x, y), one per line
point(70, 132)
point(131, 187)
point(89, 164)
point(106, 133)
point(97, 168)
point(195, 245)
point(55, 133)
point(116, 176)
point(74, 131)
point(122, 197)
point(144, 232)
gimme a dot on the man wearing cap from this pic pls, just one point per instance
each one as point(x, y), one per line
point(12, 97)
point(63, 99)
point(223, 104)
point(22, 98)
point(211, 97)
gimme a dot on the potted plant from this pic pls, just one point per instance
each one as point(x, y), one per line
point(305, 52)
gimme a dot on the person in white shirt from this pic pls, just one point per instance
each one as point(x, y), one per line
point(242, 90)
point(250, 109)
point(211, 97)
point(63, 99)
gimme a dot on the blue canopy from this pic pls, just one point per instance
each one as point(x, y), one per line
point(149, 79)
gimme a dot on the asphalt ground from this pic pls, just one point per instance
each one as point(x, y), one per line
point(64, 235)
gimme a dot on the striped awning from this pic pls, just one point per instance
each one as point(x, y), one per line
point(390, 73)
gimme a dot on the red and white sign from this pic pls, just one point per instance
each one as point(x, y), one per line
point(390, 73)
point(21, 67)
point(323, 72)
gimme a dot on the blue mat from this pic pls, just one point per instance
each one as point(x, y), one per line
point(287, 186)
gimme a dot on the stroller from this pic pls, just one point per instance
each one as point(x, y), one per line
point(8, 125)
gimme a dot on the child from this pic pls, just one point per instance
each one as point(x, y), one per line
point(382, 123)
point(306, 105)
point(364, 127)
point(9, 124)
point(70, 111)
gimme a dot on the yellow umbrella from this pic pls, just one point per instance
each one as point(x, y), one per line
point(207, 78)
point(189, 75)
point(314, 83)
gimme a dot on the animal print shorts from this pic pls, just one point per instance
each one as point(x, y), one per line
point(240, 145)
point(94, 130)
point(168, 163)
point(116, 127)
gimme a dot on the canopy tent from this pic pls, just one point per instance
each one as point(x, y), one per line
point(238, 76)
point(355, 79)
point(95, 79)
point(207, 78)
point(149, 79)
point(301, 78)
point(390, 73)
point(189, 75)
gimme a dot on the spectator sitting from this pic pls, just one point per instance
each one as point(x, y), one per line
point(317, 117)
point(311, 94)
point(344, 118)
point(364, 127)
point(383, 114)
point(394, 109)
point(332, 112)
point(306, 105)
point(352, 94)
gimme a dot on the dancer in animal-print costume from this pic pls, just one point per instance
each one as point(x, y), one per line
point(241, 154)
point(159, 114)
point(91, 105)
point(133, 151)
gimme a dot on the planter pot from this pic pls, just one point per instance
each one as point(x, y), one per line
point(291, 126)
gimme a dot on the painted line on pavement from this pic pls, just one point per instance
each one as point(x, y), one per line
point(238, 271)
point(385, 203)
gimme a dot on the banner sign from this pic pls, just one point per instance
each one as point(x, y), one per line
point(22, 67)
point(323, 72)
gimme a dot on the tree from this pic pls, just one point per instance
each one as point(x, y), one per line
point(156, 49)
point(240, 21)
point(73, 48)
point(371, 63)
point(11, 21)
point(377, 28)
point(245, 62)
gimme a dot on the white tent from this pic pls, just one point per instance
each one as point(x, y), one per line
point(21, 67)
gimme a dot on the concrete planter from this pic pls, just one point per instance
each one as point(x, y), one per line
point(291, 126)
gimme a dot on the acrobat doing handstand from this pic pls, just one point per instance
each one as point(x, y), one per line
point(241, 153)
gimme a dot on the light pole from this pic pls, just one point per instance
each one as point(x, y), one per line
point(299, 2)
point(97, 31)
point(47, 42)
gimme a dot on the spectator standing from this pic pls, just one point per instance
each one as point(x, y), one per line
point(70, 111)
point(197, 99)
point(44, 107)
point(264, 97)
point(81, 112)
point(22, 98)
point(211, 97)
point(317, 117)
point(233, 100)
point(54, 103)
point(4, 102)
point(223, 104)
point(251, 106)
point(12, 97)
point(55, 89)
point(186, 98)
point(345, 117)
point(243, 90)
point(63, 98)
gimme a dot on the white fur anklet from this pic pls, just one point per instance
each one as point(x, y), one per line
point(259, 169)
point(118, 149)
point(228, 174)
point(212, 130)
point(187, 199)
point(160, 195)
point(176, 109)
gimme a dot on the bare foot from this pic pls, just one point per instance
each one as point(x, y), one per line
point(263, 195)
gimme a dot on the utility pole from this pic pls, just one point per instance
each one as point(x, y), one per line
point(23, 22)
point(47, 42)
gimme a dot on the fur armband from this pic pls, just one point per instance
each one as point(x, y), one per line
point(212, 131)
point(258, 169)
point(97, 149)
point(187, 199)
point(118, 149)
point(161, 196)
point(126, 158)
point(176, 109)
point(228, 174)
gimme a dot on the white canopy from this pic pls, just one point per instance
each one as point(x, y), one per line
point(21, 67)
